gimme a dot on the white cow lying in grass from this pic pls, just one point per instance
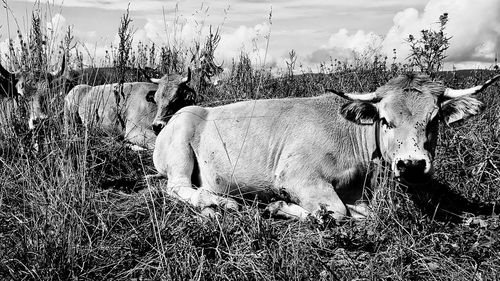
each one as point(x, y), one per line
point(308, 155)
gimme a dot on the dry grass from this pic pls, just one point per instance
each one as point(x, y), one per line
point(78, 208)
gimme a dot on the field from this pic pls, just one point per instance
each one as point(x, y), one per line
point(78, 207)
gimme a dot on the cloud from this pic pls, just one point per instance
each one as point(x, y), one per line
point(250, 40)
point(306, 28)
point(150, 6)
point(474, 28)
point(4, 49)
point(182, 34)
point(94, 54)
point(357, 41)
point(108, 4)
point(345, 46)
point(325, 54)
point(56, 29)
point(184, 24)
point(179, 33)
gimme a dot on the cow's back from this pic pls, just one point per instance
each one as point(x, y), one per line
point(99, 108)
point(73, 102)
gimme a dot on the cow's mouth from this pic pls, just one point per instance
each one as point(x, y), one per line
point(414, 178)
point(413, 172)
point(36, 123)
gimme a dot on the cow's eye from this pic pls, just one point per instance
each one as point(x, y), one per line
point(386, 123)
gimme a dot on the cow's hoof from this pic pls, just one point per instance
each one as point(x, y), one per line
point(272, 209)
point(209, 212)
point(229, 204)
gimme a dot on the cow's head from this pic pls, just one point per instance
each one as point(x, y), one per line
point(8, 81)
point(406, 113)
point(35, 88)
point(209, 72)
point(173, 94)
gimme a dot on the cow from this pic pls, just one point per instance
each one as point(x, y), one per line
point(136, 112)
point(173, 94)
point(124, 109)
point(308, 156)
point(34, 87)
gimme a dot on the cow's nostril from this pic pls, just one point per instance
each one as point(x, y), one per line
point(411, 165)
point(401, 165)
point(35, 122)
point(412, 170)
point(420, 164)
point(157, 128)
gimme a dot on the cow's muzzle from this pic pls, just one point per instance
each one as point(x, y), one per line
point(33, 122)
point(158, 126)
point(413, 171)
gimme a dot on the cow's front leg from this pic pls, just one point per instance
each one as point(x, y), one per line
point(282, 209)
point(202, 198)
point(359, 210)
point(313, 196)
point(320, 198)
point(206, 199)
point(177, 164)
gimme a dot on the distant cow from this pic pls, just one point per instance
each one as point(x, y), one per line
point(128, 113)
point(34, 87)
point(163, 97)
point(306, 155)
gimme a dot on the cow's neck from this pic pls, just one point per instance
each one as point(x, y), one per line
point(366, 142)
point(357, 146)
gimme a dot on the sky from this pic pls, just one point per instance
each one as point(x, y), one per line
point(317, 30)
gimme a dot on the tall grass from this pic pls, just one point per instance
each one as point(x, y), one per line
point(78, 208)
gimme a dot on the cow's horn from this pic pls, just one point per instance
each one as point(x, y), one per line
point(143, 72)
point(339, 93)
point(362, 97)
point(353, 96)
point(60, 72)
point(4, 72)
point(188, 78)
point(219, 66)
point(452, 93)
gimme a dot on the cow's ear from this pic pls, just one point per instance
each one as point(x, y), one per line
point(362, 113)
point(150, 96)
point(187, 79)
point(189, 95)
point(460, 108)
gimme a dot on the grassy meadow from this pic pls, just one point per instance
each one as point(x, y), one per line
point(78, 207)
